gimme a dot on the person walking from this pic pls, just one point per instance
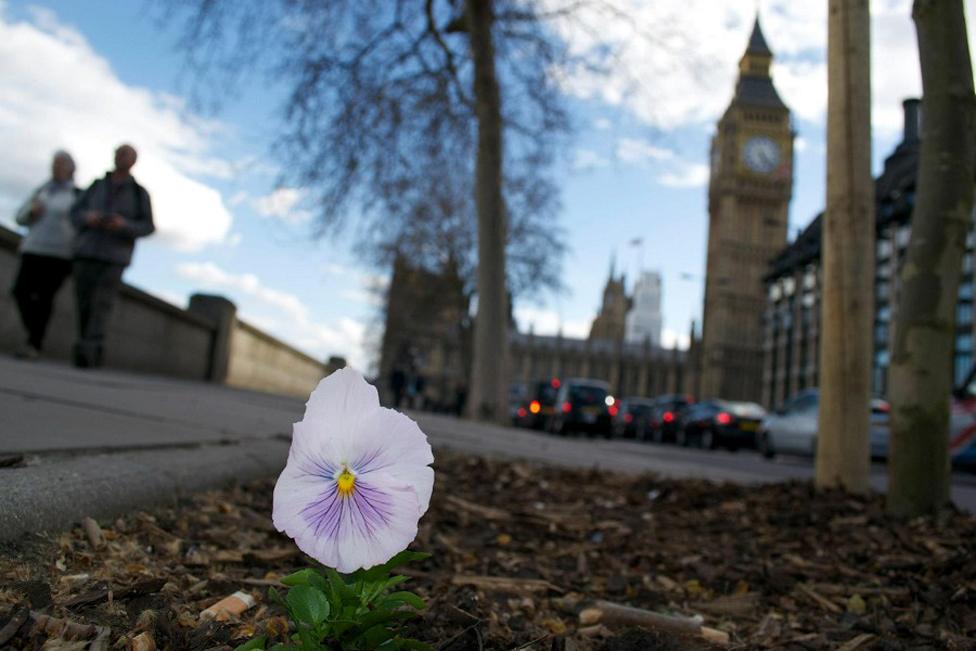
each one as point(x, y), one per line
point(110, 215)
point(45, 252)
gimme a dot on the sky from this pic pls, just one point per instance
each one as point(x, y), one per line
point(86, 75)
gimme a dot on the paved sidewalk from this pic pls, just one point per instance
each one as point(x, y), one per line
point(101, 442)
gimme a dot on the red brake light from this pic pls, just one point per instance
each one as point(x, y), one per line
point(668, 417)
point(535, 407)
point(723, 418)
point(567, 407)
point(614, 409)
point(521, 412)
point(555, 383)
point(628, 418)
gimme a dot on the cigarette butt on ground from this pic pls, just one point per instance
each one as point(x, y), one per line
point(93, 532)
point(232, 606)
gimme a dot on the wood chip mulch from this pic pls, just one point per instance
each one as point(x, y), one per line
point(519, 550)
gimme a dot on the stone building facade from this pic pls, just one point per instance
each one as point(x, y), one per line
point(610, 323)
point(748, 198)
point(629, 369)
point(427, 337)
point(792, 314)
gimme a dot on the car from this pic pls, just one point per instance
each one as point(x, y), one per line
point(583, 405)
point(712, 424)
point(634, 418)
point(793, 427)
point(537, 405)
point(665, 416)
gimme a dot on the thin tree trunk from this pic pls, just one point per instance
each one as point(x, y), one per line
point(488, 385)
point(925, 319)
point(843, 456)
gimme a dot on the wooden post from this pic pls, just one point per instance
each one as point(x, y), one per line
point(843, 453)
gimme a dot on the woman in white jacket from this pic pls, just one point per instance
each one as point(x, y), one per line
point(46, 251)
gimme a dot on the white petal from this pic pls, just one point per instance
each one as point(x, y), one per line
point(341, 401)
point(392, 445)
point(362, 541)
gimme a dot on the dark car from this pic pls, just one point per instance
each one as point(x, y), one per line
point(715, 424)
point(667, 409)
point(583, 405)
point(634, 418)
point(538, 404)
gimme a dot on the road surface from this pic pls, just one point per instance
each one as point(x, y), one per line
point(97, 442)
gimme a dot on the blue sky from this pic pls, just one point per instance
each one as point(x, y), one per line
point(88, 74)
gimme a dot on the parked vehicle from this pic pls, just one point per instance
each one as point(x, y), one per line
point(715, 424)
point(516, 399)
point(634, 418)
point(793, 427)
point(583, 405)
point(537, 405)
point(667, 409)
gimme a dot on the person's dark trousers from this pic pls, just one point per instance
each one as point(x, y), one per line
point(38, 280)
point(96, 286)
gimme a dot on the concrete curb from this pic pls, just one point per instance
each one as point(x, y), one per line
point(57, 493)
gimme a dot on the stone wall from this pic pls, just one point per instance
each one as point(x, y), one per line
point(146, 334)
point(259, 361)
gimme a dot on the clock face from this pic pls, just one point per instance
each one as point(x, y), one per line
point(761, 154)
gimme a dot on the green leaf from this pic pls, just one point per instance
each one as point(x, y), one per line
point(307, 577)
point(308, 604)
point(373, 590)
point(408, 598)
point(342, 592)
point(375, 636)
point(404, 557)
point(412, 645)
point(257, 644)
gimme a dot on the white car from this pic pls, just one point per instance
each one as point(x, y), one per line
point(792, 428)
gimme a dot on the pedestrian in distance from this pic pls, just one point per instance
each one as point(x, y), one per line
point(45, 252)
point(110, 216)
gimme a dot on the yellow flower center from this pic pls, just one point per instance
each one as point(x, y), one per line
point(345, 481)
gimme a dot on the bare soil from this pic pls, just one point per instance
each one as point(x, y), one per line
point(518, 550)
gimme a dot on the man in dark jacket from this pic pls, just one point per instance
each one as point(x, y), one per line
point(109, 216)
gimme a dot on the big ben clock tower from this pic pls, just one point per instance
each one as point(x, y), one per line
point(748, 199)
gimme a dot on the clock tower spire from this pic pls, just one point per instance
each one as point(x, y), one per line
point(749, 192)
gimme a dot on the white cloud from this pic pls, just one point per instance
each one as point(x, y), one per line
point(171, 297)
point(211, 276)
point(283, 204)
point(290, 320)
point(59, 93)
point(603, 124)
point(549, 322)
point(587, 159)
point(678, 60)
point(800, 144)
point(670, 339)
point(362, 296)
point(632, 150)
point(687, 175)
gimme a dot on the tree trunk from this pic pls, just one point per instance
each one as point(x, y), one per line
point(843, 455)
point(488, 391)
point(925, 319)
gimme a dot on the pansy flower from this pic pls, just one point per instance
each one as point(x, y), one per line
point(357, 479)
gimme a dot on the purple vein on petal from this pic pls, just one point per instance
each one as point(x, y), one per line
point(367, 510)
point(375, 508)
